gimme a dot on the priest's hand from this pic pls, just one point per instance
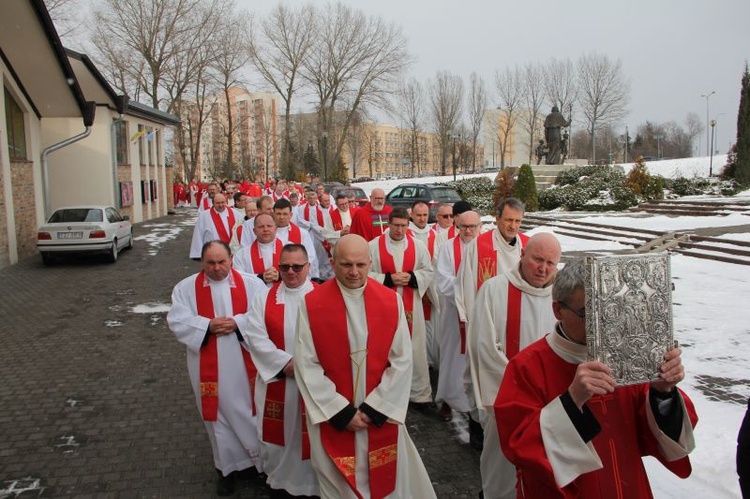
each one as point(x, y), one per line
point(345, 230)
point(358, 422)
point(401, 278)
point(671, 371)
point(221, 325)
point(592, 378)
point(271, 275)
point(289, 369)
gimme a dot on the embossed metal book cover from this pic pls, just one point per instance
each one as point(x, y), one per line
point(629, 314)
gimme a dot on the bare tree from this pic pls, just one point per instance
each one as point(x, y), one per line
point(509, 85)
point(410, 99)
point(278, 49)
point(446, 93)
point(231, 54)
point(533, 98)
point(695, 128)
point(604, 93)
point(65, 14)
point(477, 107)
point(560, 83)
point(356, 62)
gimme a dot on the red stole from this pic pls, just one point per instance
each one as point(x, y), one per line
point(295, 236)
point(256, 258)
point(327, 313)
point(431, 236)
point(318, 214)
point(239, 233)
point(388, 266)
point(207, 206)
point(209, 353)
point(224, 235)
point(338, 224)
point(457, 254)
point(273, 409)
point(487, 255)
point(513, 322)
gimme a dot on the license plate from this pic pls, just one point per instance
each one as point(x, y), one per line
point(70, 235)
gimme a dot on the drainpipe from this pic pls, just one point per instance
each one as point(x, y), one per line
point(45, 166)
point(115, 174)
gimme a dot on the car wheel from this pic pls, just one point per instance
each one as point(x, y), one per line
point(47, 258)
point(130, 240)
point(112, 255)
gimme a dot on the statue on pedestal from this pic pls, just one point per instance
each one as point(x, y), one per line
point(553, 125)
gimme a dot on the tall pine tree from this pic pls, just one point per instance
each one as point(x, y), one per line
point(742, 147)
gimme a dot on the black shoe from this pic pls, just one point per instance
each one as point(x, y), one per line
point(445, 412)
point(421, 406)
point(225, 484)
point(476, 435)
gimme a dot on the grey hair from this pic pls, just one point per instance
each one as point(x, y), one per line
point(514, 203)
point(569, 279)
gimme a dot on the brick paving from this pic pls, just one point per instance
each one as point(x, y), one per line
point(95, 399)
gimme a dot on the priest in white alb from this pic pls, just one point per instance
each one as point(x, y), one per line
point(261, 258)
point(512, 310)
point(352, 364)
point(215, 223)
point(270, 334)
point(289, 232)
point(208, 310)
point(401, 262)
point(452, 339)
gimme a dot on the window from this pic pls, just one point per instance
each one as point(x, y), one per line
point(15, 122)
point(149, 140)
point(139, 136)
point(121, 139)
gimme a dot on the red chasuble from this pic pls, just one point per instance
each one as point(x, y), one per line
point(535, 377)
point(209, 353)
point(257, 259)
point(327, 312)
point(224, 235)
point(457, 254)
point(388, 266)
point(318, 215)
point(273, 409)
point(487, 256)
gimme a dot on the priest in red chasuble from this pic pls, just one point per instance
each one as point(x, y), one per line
point(570, 430)
point(214, 223)
point(352, 364)
point(208, 310)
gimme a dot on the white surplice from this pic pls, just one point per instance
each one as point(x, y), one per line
point(450, 387)
point(486, 354)
point(390, 397)
point(243, 262)
point(248, 236)
point(283, 464)
point(233, 436)
point(421, 391)
point(205, 230)
point(432, 326)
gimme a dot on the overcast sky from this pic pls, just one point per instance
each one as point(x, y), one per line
point(672, 51)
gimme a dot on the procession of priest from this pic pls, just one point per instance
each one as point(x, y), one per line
point(314, 325)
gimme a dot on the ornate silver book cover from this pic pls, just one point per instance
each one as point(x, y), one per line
point(629, 314)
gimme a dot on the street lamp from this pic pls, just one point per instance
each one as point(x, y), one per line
point(707, 96)
point(325, 156)
point(658, 146)
point(711, 155)
point(454, 157)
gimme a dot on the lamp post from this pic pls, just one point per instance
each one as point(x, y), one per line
point(454, 158)
point(658, 146)
point(707, 96)
point(711, 154)
point(325, 156)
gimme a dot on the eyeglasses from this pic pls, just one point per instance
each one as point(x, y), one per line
point(469, 226)
point(446, 216)
point(580, 313)
point(297, 268)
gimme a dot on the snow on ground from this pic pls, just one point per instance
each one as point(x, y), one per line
point(151, 308)
point(709, 299)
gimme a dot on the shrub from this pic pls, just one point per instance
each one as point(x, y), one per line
point(525, 189)
point(504, 185)
point(590, 188)
point(477, 191)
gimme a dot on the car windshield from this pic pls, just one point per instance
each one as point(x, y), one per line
point(76, 215)
point(357, 192)
point(446, 194)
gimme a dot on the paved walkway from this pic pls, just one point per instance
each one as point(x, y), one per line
point(95, 400)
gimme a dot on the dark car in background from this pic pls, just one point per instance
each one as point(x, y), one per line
point(360, 197)
point(433, 194)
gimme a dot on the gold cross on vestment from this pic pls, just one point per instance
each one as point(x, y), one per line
point(358, 358)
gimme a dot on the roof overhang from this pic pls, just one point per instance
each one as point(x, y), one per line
point(31, 49)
